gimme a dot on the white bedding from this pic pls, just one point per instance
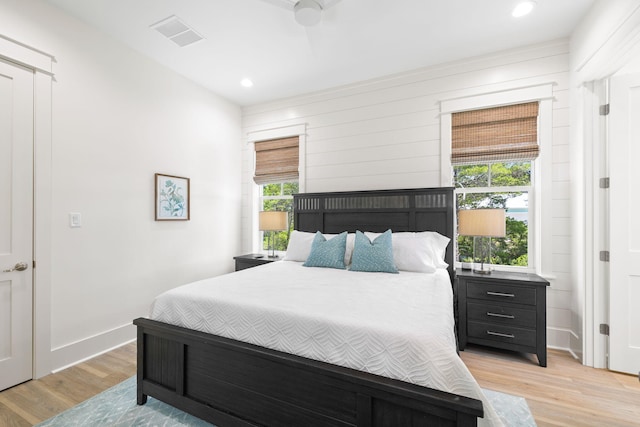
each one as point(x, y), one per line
point(396, 325)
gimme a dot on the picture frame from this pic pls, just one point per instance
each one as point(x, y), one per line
point(172, 198)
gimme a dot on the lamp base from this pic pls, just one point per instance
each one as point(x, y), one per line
point(482, 269)
point(273, 256)
point(466, 265)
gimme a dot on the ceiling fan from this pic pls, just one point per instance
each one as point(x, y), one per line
point(306, 12)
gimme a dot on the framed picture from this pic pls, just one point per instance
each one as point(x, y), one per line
point(172, 198)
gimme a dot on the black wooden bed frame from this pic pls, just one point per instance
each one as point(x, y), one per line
point(231, 383)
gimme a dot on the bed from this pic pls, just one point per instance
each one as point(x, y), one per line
point(249, 381)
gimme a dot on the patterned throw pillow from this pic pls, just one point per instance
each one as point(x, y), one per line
point(373, 256)
point(327, 253)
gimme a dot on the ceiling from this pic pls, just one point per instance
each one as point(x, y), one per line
point(356, 40)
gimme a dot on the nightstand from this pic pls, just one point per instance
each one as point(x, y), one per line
point(503, 310)
point(252, 260)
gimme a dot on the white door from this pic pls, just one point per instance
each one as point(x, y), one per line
point(16, 224)
point(624, 149)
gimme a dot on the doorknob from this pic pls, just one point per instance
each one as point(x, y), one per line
point(21, 266)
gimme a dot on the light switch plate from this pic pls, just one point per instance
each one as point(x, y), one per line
point(75, 220)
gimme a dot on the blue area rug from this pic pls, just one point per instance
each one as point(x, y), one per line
point(116, 407)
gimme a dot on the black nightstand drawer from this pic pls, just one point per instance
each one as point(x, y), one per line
point(251, 260)
point(504, 334)
point(505, 310)
point(501, 314)
point(501, 293)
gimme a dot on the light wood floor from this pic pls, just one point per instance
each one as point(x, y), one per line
point(563, 394)
point(35, 401)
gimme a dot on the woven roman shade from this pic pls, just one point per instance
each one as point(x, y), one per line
point(276, 160)
point(495, 134)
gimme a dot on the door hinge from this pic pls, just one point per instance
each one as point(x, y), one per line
point(604, 329)
point(604, 182)
point(604, 110)
point(34, 263)
point(605, 256)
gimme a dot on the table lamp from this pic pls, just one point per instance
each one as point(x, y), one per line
point(272, 221)
point(482, 224)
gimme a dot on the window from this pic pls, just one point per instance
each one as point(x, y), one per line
point(276, 173)
point(504, 185)
point(278, 197)
point(492, 153)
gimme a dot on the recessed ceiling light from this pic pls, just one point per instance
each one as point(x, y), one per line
point(523, 8)
point(246, 83)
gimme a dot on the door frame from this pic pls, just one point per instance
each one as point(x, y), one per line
point(596, 272)
point(42, 65)
point(607, 56)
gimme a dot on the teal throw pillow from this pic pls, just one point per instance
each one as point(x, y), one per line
point(373, 256)
point(327, 253)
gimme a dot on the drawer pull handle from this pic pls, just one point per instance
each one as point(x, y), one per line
point(498, 334)
point(503, 316)
point(500, 294)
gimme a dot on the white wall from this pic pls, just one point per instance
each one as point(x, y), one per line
point(118, 118)
point(385, 133)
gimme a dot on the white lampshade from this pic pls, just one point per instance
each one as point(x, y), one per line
point(308, 12)
point(272, 221)
point(482, 222)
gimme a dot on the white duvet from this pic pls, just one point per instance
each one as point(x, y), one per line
point(399, 326)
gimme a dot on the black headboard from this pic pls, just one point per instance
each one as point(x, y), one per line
point(421, 209)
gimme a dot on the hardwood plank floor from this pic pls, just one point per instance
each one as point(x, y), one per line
point(563, 394)
point(35, 401)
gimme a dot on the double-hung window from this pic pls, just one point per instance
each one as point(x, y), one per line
point(276, 174)
point(278, 197)
point(492, 154)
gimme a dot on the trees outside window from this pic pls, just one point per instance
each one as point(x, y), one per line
point(506, 185)
point(278, 197)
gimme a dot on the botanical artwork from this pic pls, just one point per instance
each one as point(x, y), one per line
point(172, 198)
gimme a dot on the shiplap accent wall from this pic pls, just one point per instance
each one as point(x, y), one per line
point(385, 133)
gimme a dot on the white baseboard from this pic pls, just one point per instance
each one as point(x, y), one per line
point(79, 351)
point(568, 350)
point(560, 339)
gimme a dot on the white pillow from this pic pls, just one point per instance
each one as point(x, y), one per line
point(299, 246)
point(300, 242)
point(439, 244)
point(351, 242)
point(421, 252)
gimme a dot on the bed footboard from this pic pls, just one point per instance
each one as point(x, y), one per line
point(230, 383)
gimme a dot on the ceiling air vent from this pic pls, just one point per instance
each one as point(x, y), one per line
point(177, 31)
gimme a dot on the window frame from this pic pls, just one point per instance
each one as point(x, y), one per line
point(299, 130)
point(540, 235)
point(531, 220)
point(262, 199)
